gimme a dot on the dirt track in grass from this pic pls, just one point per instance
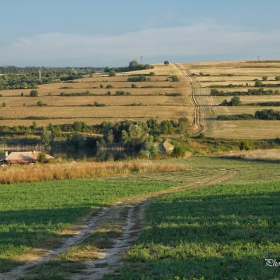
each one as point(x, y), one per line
point(110, 258)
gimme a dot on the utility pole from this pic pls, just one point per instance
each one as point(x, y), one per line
point(40, 76)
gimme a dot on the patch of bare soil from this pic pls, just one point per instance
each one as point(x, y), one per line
point(110, 258)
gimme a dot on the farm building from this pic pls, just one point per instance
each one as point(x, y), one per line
point(22, 157)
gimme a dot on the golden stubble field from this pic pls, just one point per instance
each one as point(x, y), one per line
point(241, 75)
point(150, 99)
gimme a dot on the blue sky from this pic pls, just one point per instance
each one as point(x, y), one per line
point(114, 32)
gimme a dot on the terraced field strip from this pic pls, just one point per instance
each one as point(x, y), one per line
point(132, 223)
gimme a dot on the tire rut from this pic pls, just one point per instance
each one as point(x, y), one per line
point(109, 259)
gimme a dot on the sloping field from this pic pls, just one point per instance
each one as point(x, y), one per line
point(94, 99)
point(229, 77)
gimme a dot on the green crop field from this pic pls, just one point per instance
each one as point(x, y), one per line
point(218, 232)
point(35, 217)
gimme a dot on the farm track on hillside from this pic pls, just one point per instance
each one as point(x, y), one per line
point(110, 258)
point(205, 109)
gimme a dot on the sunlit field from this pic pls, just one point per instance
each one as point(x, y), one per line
point(229, 77)
point(158, 97)
point(219, 232)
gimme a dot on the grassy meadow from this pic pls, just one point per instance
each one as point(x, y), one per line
point(218, 232)
point(241, 76)
point(214, 232)
point(225, 231)
point(35, 217)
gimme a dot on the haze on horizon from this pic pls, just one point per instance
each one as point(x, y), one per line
point(112, 33)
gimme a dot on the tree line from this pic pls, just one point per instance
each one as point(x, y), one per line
point(266, 114)
point(29, 77)
point(260, 91)
point(132, 66)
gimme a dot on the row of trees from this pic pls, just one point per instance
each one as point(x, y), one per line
point(260, 91)
point(266, 114)
point(235, 101)
point(132, 66)
point(29, 77)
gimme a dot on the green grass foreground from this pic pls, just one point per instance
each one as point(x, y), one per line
point(33, 215)
point(219, 232)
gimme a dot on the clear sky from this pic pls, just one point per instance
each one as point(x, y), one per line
point(113, 32)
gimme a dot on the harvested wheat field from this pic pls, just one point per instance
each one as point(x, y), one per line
point(102, 98)
point(237, 78)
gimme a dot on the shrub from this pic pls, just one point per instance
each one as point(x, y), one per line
point(34, 93)
point(112, 73)
point(245, 145)
point(178, 151)
point(258, 83)
point(40, 103)
point(175, 78)
point(42, 157)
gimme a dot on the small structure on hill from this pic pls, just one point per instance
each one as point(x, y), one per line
point(22, 157)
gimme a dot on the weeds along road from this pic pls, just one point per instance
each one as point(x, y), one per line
point(200, 111)
point(131, 212)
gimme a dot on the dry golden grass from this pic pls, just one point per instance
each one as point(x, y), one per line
point(108, 112)
point(245, 129)
point(243, 73)
point(61, 171)
point(67, 109)
point(264, 155)
point(160, 69)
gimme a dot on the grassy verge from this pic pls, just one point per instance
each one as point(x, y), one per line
point(219, 232)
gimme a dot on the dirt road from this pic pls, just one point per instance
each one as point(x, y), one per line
point(110, 258)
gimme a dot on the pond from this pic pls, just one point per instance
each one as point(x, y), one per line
point(86, 154)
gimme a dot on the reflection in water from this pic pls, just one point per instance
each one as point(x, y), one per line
point(88, 154)
point(93, 155)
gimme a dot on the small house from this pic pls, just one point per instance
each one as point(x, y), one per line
point(22, 157)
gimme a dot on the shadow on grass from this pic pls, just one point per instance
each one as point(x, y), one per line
point(209, 233)
point(26, 230)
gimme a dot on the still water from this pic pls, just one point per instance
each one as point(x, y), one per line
point(87, 154)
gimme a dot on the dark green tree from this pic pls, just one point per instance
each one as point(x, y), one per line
point(235, 101)
point(178, 151)
point(112, 73)
point(34, 93)
point(258, 83)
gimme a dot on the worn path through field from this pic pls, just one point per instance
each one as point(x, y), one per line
point(109, 259)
